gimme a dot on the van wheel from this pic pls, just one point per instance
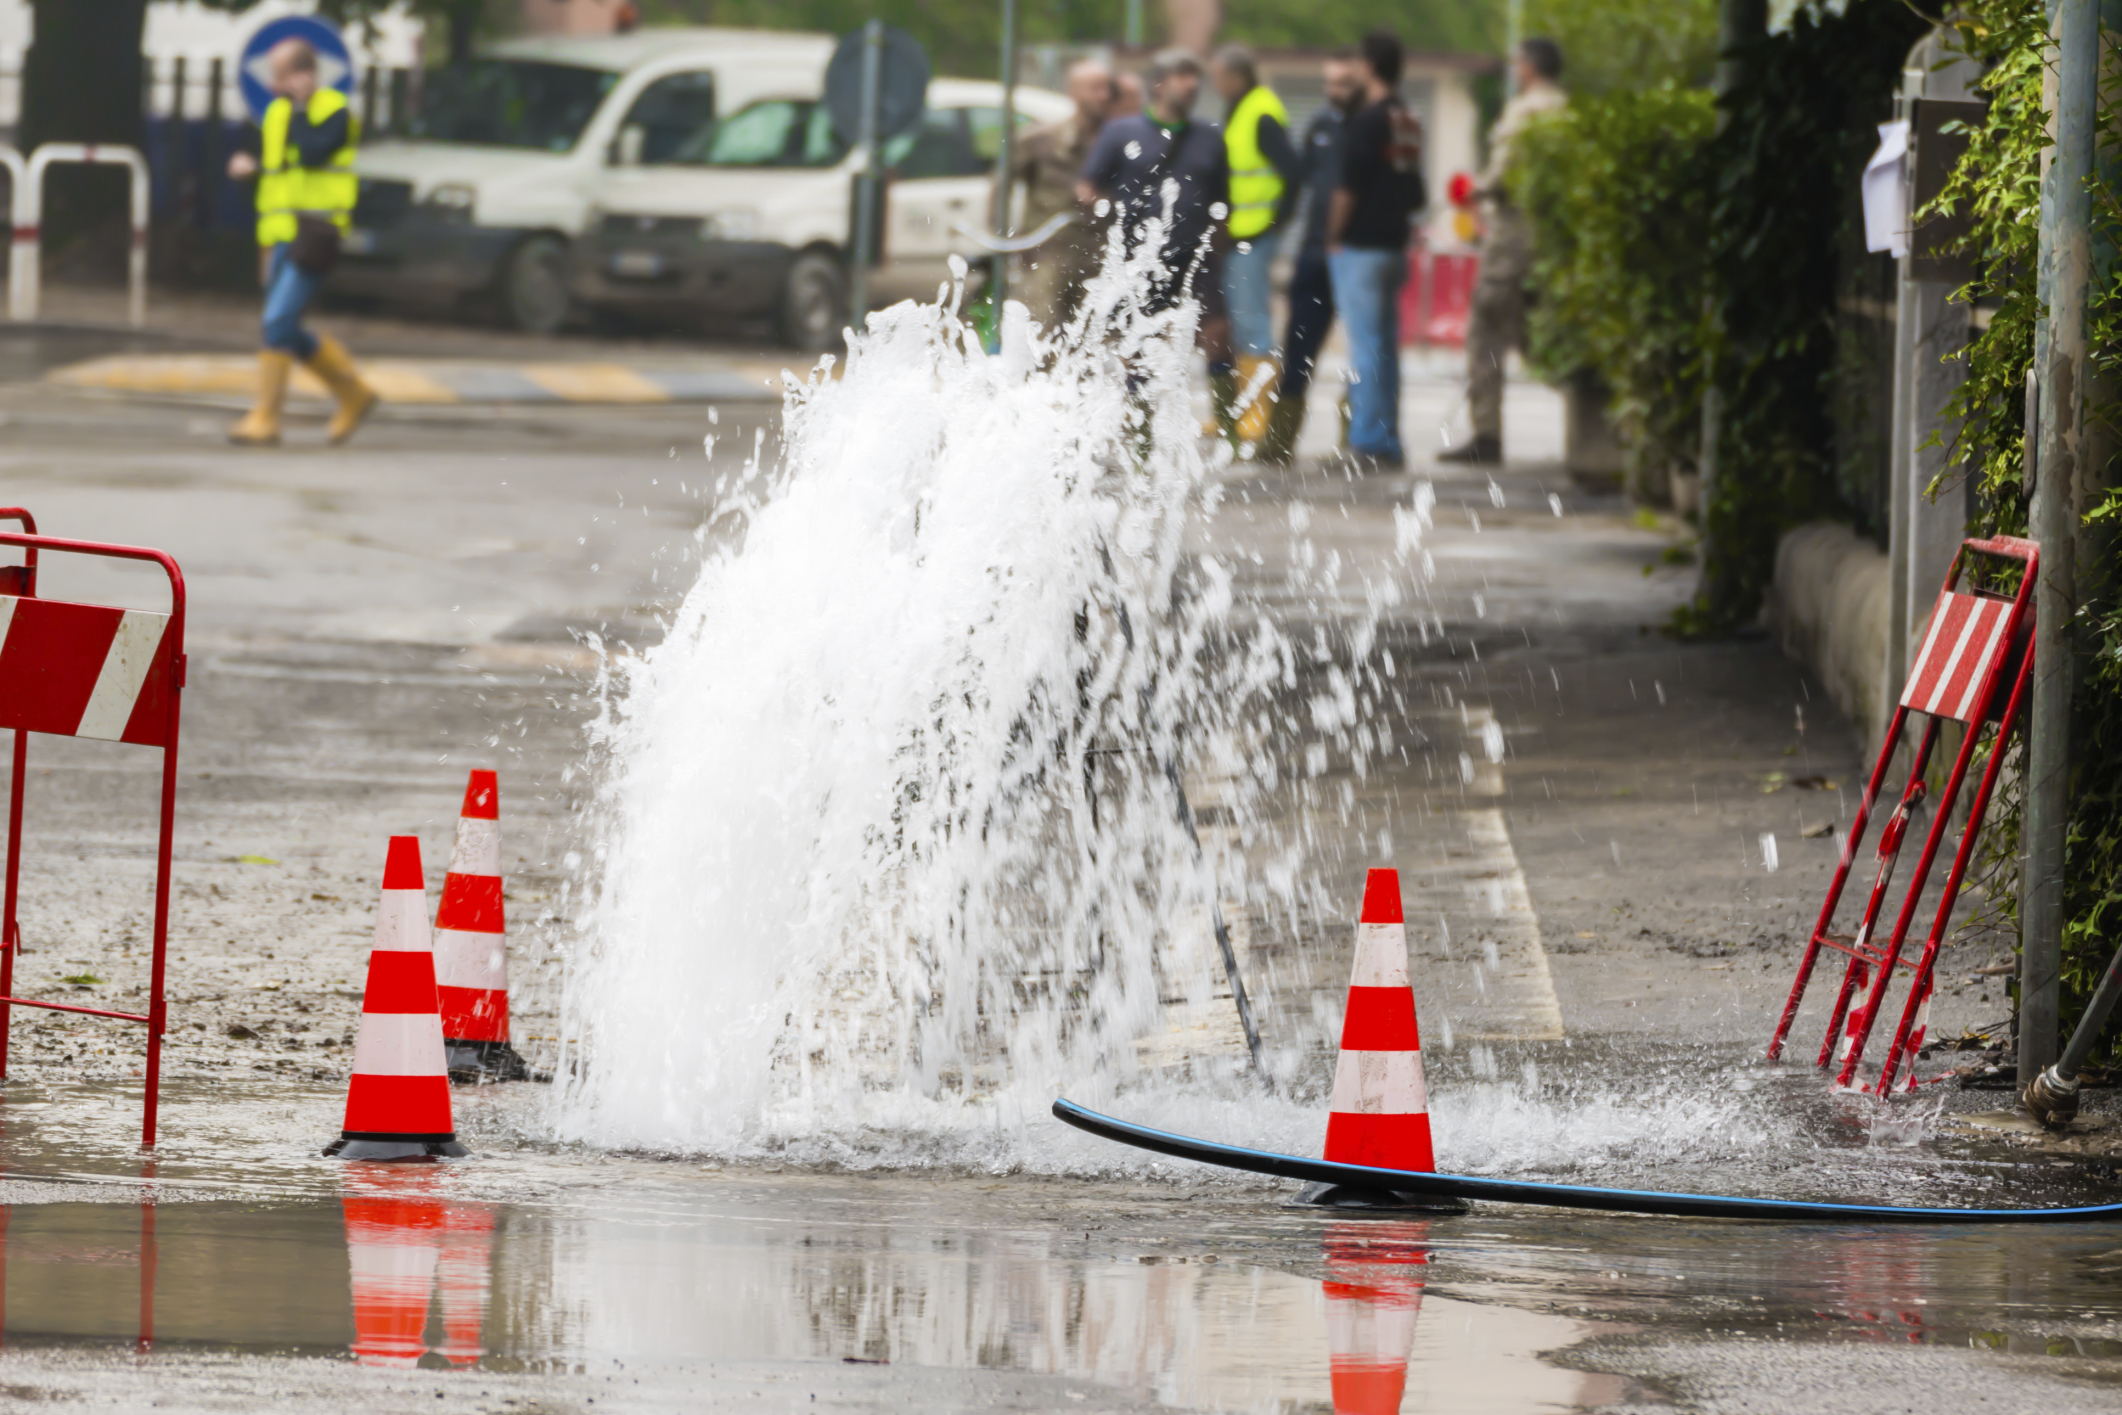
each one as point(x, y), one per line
point(534, 285)
point(813, 303)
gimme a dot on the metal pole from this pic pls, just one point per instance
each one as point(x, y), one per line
point(1133, 32)
point(868, 183)
point(1003, 224)
point(2064, 270)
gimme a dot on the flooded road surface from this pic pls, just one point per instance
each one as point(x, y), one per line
point(529, 1279)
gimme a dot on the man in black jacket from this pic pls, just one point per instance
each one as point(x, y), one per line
point(1311, 290)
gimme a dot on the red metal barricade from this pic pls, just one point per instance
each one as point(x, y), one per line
point(1979, 645)
point(94, 671)
point(1437, 301)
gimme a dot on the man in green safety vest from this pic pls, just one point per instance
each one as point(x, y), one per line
point(306, 191)
point(1264, 177)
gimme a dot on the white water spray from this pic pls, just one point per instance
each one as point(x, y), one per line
point(887, 841)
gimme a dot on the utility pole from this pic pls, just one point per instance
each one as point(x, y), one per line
point(1003, 154)
point(2063, 270)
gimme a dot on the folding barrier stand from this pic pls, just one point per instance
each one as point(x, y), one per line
point(1973, 669)
point(86, 670)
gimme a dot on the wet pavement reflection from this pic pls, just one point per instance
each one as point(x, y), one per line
point(559, 1278)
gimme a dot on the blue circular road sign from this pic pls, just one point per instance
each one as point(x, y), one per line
point(335, 64)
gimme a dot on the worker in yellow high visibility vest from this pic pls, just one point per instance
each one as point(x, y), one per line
point(306, 191)
point(1264, 178)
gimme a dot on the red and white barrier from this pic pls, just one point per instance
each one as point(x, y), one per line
point(397, 1104)
point(1373, 1293)
point(471, 939)
point(95, 671)
point(1380, 1107)
point(24, 265)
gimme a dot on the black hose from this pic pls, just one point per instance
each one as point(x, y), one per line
point(1566, 1196)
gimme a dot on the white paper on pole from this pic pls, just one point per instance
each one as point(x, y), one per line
point(1886, 192)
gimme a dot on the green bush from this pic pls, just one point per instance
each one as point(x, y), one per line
point(1614, 187)
point(1609, 46)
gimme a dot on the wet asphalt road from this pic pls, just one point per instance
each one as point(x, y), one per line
point(370, 622)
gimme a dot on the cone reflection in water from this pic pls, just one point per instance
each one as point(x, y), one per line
point(466, 1279)
point(1373, 1290)
point(405, 1243)
point(392, 1242)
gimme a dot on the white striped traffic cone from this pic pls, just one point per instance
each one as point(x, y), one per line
point(397, 1104)
point(471, 944)
point(392, 1245)
point(1380, 1108)
point(1373, 1292)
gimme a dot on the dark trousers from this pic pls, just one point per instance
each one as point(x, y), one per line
point(1311, 316)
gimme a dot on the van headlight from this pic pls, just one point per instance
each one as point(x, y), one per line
point(453, 201)
point(730, 226)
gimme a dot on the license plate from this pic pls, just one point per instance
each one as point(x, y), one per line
point(637, 265)
point(359, 242)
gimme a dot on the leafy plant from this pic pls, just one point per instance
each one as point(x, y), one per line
point(1997, 185)
point(1614, 46)
point(1613, 186)
point(1797, 132)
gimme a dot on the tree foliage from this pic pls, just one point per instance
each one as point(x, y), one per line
point(1614, 46)
point(1613, 186)
point(1998, 185)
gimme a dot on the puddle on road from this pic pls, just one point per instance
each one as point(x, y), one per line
point(717, 1269)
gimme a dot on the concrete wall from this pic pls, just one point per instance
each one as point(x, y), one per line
point(1830, 608)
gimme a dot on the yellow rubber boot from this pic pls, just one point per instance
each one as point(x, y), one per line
point(355, 399)
point(260, 427)
point(1262, 377)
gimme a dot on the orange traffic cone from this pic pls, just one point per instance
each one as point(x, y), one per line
point(391, 1244)
point(1380, 1107)
point(1373, 1293)
point(471, 944)
point(466, 1274)
point(397, 1105)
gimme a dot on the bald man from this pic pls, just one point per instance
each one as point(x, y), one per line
point(1047, 160)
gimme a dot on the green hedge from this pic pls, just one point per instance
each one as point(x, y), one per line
point(1614, 186)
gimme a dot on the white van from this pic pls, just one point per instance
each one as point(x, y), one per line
point(749, 217)
point(488, 188)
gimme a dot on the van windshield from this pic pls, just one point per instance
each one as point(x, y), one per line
point(774, 133)
point(511, 103)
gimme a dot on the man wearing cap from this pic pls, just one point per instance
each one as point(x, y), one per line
point(1497, 319)
point(1047, 160)
point(1264, 178)
point(306, 191)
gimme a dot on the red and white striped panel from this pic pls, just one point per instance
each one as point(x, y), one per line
point(1967, 636)
point(84, 670)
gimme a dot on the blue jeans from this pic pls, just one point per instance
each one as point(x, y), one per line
point(1367, 297)
point(1246, 286)
point(1311, 315)
point(288, 290)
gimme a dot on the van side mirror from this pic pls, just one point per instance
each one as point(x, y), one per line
point(626, 148)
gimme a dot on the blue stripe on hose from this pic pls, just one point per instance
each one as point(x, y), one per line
point(1464, 1186)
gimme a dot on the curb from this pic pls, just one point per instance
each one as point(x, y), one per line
point(430, 382)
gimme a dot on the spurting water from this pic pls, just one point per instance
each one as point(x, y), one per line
point(889, 850)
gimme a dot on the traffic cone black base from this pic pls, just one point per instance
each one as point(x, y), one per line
point(426, 1147)
point(1387, 1202)
point(475, 1063)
